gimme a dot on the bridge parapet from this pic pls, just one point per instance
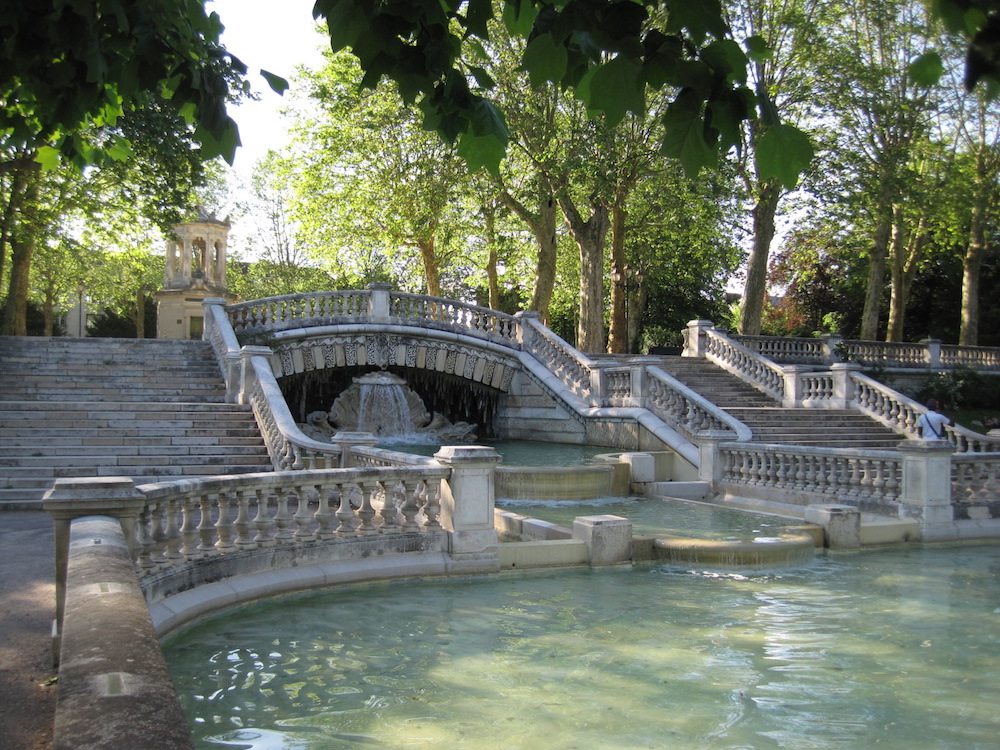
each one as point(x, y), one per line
point(377, 304)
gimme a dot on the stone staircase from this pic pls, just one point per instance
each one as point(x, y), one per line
point(770, 423)
point(148, 409)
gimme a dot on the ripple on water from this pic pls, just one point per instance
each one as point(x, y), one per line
point(895, 649)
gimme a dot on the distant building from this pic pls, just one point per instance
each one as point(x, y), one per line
point(196, 269)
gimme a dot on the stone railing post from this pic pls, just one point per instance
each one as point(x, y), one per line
point(926, 495)
point(232, 366)
point(467, 501)
point(347, 441)
point(247, 353)
point(599, 381)
point(709, 456)
point(640, 380)
point(378, 300)
point(843, 386)
point(793, 386)
point(68, 499)
point(208, 320)
point(694, 337)
point(933, 353)
point(830, 343)
point(526, 331)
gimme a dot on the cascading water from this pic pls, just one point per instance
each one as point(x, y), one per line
point(382, 406)
point(382, 403)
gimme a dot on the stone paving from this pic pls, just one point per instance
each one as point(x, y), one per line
point(27, 607)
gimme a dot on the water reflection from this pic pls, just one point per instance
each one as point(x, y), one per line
point(891, 648)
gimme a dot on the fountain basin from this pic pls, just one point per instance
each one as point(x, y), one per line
point(761, 553)
point(586, 482)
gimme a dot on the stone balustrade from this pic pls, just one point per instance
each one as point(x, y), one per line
point(929, 354)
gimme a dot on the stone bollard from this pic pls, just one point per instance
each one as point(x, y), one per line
point(841, 524)
point(115, 497)
point(642, 471)
point(608, 538)
point(467, 502)
point(926, 495)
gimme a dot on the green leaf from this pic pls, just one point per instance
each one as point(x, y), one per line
point(477, 15)
point(48, 157)
point(344, 23)
point(482, 151)
point(783, 152)
point(684, 135)
point(699, 17)
point(278, 84)
point(758, 49)
point(725, 56)
point(545, 60)
point(926, 70)
point(519, 17)
point(484, 79)
point(616, 88)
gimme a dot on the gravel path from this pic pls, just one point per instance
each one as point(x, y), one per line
point(27, 607)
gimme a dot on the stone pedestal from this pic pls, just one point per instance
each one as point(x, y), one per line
point(467, 501)
point(841, 525)
point(608, 538)
point(926, 495)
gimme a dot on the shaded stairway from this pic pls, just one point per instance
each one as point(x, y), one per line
point(771, 423)
point(143, 408)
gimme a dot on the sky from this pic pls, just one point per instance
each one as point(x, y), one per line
point(275, 35)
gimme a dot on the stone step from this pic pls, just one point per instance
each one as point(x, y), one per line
point(69, 443)
point(20, 453)
point(132, 432)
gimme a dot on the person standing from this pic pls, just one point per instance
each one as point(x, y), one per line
point(931, 425)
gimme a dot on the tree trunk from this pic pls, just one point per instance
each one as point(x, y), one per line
point(543, 226)
point(897, 298)
point(589, 236)
point(492, 278)
point(15, 322)
point(972, 263)
point(140, 314)
point(431, 272)
point(876, 276)
point(755, 291)
point(618, 338)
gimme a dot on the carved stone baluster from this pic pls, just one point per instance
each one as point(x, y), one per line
point(366, 512)
point(189, 530)
point(431, 506)
point(242, 522)
point(389, 510)
point(158, 533)
point(281, 518)
point(262, 520)
point(302, 517)
point(224, 525)
point(323, 516)
point(172, 548)
point(345, 513)
point(144, 540)
point(408, 509)
point(206, 529)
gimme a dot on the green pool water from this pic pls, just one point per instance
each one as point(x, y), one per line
point(892, 648)
point(657, 516)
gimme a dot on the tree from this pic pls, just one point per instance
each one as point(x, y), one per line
point(371, 174)
point(784, 78)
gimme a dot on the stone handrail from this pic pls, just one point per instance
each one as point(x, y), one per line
point(686, 411)
point(181, 522)
point(788, 349)
point(830, 349)
point(975, 357)
point(733, 357)
point(564, 361)
point(471, 319)
point(297, 310)
point(288, 447)
point(975, 480)
point(901, 413)
point(861, 478)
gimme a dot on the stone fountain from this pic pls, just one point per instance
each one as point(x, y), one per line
point(382, 404)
